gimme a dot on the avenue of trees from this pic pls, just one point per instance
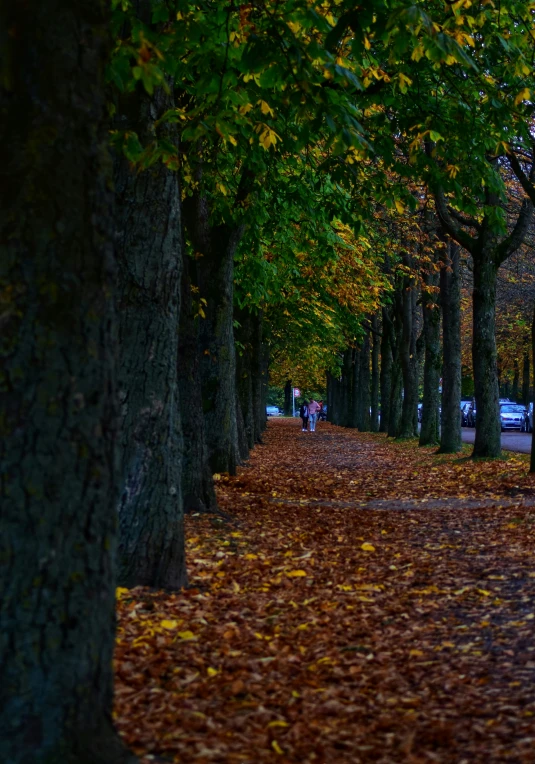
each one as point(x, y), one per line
point(196, 196)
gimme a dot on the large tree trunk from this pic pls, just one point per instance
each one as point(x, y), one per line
point(488, 436)
point(532, 457)
point(198, 492)
point(215, 247)
point(288, 402)
point(259, 372)
point(429, 435)
point(364, 384)
point(385, 378)
point(355, 408)
point(450, 301)
point(396, 384)
point(409, 363)
point(525, 380)
point(374, 392)
point(149, 240)
point(58, 491)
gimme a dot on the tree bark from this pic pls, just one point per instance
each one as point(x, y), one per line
point(532, 457)
point(149, 241)
point(386, 371)
point(486, 392)
point(376, 346)
point(198, 492)
point(525, 380)
point(450, 301)
point(516, 382)
point(58, 491)
point(364, 384)
point(429, 431)
point(355, 409)
point(288, 398)
point(396, 384)
point(409, 367)
point(215, 247)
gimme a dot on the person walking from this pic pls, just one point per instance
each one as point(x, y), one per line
point(313, 408)
point(303, 413)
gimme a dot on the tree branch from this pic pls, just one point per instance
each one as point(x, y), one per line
point(517, 235)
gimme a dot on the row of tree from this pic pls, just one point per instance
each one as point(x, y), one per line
point(263, 161)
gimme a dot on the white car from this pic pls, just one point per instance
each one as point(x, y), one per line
point(273, 411)
point(512, 416)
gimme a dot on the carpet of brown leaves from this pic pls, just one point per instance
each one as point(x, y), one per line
point(367, 601)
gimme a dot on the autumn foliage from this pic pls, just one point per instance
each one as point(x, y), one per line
point(356, 600)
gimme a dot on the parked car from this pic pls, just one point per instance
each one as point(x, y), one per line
point(471, 415)
point(512, 416)
point(527, 424)
point(273, 411)
point(465, 405)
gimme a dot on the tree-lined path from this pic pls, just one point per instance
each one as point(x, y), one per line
point(364, 601)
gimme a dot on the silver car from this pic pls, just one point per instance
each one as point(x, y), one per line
point(512, 416)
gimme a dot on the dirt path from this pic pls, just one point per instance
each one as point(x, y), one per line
point(338, 618)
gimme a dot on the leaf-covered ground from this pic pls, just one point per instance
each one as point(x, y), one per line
point(368, 601)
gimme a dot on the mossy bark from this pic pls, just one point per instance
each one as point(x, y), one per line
point(58, 450)
point(450, 302)
point(149, 242)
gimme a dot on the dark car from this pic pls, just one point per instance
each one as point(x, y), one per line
point(465, 406)
point(527, 425)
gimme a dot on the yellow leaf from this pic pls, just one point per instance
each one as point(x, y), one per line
point(484, 592)
point(211, 671)
point(278, 723)
point(399, 206)
point(276, 747)
point(186, 635)
point(121, 591)
point(296, 573)
point(169, 624)
point(251, 556)
point(265, 108)
point(524, 95)
point(367, 547)
point(416, 653)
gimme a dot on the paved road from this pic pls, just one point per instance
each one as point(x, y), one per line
point(511, 441)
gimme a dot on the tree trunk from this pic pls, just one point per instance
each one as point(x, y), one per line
point(346, 389)
point(215, 247)
point(386, 371)
point(488, 436)
point(525, 380)
point(396, 385)
point(409, 364)
point(364, 383)
point(516, 382)
point(355, 409)
point(149, 241)
point(376, 345)
point(57, 365)
point(198, 493)
point(259, 366)
point(429, 435)
point(532, 457)
point(450, 301)
point(288, 409)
